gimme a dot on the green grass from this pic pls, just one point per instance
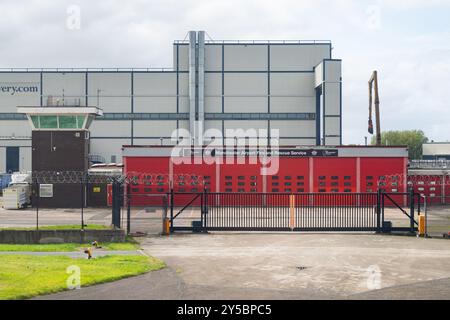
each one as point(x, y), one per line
point(24, 276)
point(63, 227)
point(66, 247)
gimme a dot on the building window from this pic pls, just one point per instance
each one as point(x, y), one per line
point(229, 184)
point(147, 189)
point(300, 184)
point(347, 190)
point(347, 184)
point(228, 178)
point(369, 178)
point(322, 184)
point(275, 184)
point(334, 178)
point(322, 177)
point(334, 184)
point(275, 177)
point(301, 190)
point(347, 178)
point(287, 190)
point(300, 177)
point(275, 190)
point(241, 178)
point(228, 190)
point(322, 190)
point(287, 177)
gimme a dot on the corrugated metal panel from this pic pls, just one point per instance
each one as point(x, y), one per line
point(154, 128)
point(2, 159)
point(436, 149)
point(70, 85)
point(332, 126)
point(18, 128)
point(200, 87)
point(183, 57)
point(287, 57)
point(332, 99)
point(111, 128)
point(318, 75)
point(245, 58)
point(108, 147)
point(294, 128)
point(154, 92)
point(292, 84)
point(213, 58)
point(9, 100)
point(213, 92)
point(293, 104)
point(192, 82)
point(115, 91)
point(333, 70)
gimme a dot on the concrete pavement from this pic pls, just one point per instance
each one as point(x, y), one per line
point(286, 266)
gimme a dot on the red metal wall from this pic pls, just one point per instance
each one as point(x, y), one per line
point(295, 175)
point(434, 186)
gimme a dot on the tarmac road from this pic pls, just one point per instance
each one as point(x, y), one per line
point(286, 266)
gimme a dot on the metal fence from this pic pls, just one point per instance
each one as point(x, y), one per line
point(294, 212)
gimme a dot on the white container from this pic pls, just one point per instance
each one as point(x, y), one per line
point(16, 197)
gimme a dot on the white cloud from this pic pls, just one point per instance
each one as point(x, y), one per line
point(414, 67)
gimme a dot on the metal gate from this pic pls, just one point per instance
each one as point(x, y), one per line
point(292, 212)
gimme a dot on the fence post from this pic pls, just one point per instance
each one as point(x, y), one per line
point(37, 196)
point(411, 209)
point(82, 199)
point(205, 210)
point(116, 204)
point(378, 211)
point(128, 198)
point(171, 210)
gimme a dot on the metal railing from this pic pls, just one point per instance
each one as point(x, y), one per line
point(429, 164)
point(219, 211)
point(259, 41)
point(56, 69)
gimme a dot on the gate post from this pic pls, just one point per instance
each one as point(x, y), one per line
point(128, 209)
point(171, 210)
point(378, 211)
point(116, 204)
point(205, 210)
point(411, 209)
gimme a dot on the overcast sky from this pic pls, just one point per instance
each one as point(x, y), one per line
point(407, 41)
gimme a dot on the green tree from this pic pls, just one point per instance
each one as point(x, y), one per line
point(414, 139)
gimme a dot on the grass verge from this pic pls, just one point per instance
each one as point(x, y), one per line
point(66, 247)
point(62, 227)
point(23, 276)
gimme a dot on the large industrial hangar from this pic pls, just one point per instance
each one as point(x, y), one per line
point(293, 86)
